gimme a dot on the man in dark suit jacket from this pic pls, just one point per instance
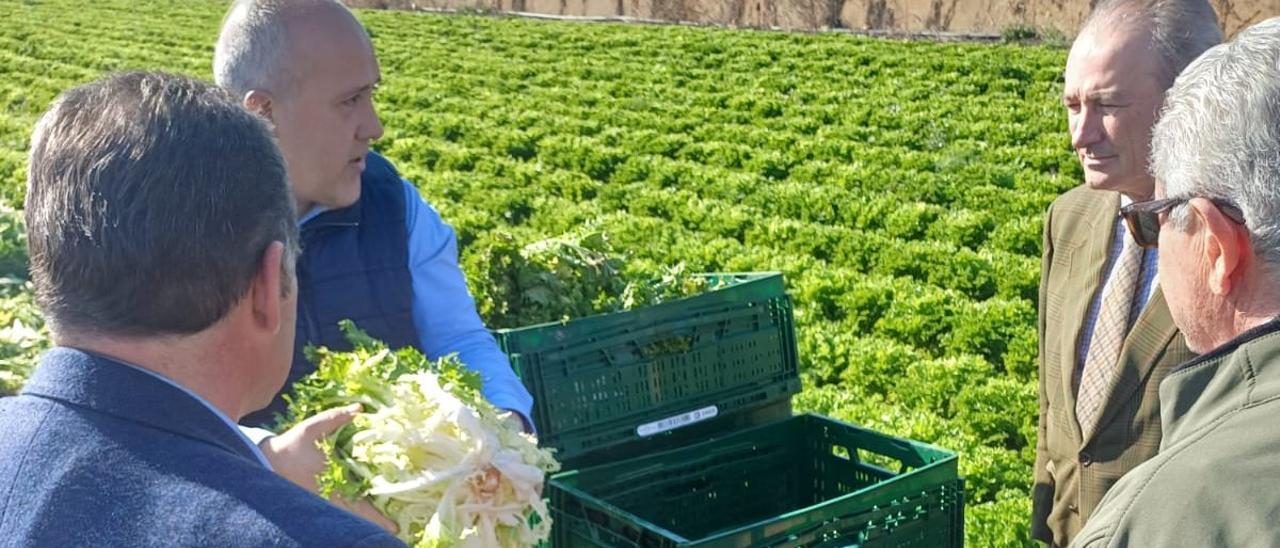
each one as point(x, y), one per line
point(1106, 336)
point(162, 244)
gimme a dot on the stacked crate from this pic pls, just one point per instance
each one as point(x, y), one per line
point(674, 426)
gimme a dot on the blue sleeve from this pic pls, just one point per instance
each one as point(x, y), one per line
point(445, 313)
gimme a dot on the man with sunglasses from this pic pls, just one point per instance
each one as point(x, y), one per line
point(1216, 221)
point(1106, 337)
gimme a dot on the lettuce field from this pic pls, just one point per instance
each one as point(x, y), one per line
point(898, 185)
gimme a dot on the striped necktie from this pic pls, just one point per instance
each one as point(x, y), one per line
point(1102, 363)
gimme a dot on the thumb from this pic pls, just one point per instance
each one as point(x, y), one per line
point(323, 424)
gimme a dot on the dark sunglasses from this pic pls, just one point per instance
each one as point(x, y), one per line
point(1143, 218)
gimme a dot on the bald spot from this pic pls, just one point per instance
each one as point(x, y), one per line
point(324, 37)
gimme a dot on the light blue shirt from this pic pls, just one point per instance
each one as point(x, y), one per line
point(443, 310)
point(1146, 284)
point(253, 447)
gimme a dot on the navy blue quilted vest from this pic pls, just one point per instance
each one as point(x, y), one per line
point(354, 265)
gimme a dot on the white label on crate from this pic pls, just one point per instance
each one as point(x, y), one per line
point(672, 423)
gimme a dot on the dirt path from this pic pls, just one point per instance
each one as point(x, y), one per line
point(1051, 19)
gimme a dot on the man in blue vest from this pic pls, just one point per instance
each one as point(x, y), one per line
point(162, 247)
point(374, 251)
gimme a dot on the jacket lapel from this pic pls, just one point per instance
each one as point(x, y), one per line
point(1147, 340)
point(1092, 240)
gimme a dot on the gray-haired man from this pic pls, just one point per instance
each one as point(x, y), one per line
point(1106, 338)
point(1216, 220)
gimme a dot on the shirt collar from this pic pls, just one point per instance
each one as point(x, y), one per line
point(312, 213)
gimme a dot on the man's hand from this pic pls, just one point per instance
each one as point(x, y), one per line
point(517, 422)
point(296, 456)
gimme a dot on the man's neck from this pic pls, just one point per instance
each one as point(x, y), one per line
point(1253, 304)
point(182, 360)
point(1140, 195)
point(1245, 321)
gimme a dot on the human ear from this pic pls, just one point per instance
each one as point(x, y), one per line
point(265, 291)
point(259, 102)
point(1225, 246)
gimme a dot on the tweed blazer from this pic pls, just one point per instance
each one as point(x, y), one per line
point(1072, 473)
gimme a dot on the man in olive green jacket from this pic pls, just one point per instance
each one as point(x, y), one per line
point(1216, 220)
point(1106, 338)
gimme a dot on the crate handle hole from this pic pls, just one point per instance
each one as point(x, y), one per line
point(669, 346)
point(842, 452)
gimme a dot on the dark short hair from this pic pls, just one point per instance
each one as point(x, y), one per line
point(151, 199)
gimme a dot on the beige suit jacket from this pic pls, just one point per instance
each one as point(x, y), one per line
point(1072, 473)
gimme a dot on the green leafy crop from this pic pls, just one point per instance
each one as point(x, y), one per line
point(899, 186)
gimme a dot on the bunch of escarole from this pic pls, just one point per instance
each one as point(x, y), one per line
point(428, 451)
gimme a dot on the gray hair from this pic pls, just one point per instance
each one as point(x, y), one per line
point(1219, 135)
point(1180, 29)
point(150, 200)
point(254, 43)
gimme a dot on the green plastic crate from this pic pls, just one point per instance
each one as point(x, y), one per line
point(803, 481)
point(611, 385)
point(674, 426)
